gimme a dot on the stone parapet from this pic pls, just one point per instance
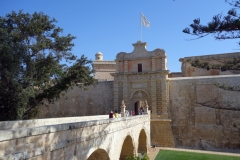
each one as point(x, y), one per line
point(76, 139)
point(8, 125)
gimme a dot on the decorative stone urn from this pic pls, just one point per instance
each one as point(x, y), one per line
point(145, 107)
point(123, 109)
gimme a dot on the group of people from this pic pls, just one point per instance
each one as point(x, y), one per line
point(127, 113)
point(113, 115)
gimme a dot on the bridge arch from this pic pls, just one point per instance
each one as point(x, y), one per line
point(142, 142)
point(127, 148)
point(99, 154)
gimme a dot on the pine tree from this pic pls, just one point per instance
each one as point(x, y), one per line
point(32, 69)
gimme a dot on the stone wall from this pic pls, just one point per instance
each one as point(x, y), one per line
point(197, 126)
point(76, 140)
point(189, 71)
point(97, 100)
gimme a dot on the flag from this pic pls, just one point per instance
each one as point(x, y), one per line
point(144, 21)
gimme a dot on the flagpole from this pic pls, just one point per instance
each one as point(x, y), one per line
point(140, 26)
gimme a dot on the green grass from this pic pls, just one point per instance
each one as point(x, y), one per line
point(181, 155)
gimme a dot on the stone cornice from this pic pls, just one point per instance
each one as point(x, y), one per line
point(104, 62)
point(141, 73)
point(211, 57)
point(140, 52)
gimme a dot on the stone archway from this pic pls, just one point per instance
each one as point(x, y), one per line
point(137, 106)
point(99, 154)
point(142, 142)
point(127, 148)
point(137, 99)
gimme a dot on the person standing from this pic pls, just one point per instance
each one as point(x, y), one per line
point(153, 145)
point(133, 113)
point(111, 114)
point(116, 114)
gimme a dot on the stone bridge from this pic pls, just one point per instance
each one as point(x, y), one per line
point(75, 138)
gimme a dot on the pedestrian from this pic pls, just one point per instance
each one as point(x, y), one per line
point(153, 146)
point(111, 114)
point(116, 114)
point(133, 113)
point(127, 113)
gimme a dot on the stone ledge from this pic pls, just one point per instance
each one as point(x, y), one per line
point(204, 77)
point(6, 125)
point(33, 131)
point(163, 120)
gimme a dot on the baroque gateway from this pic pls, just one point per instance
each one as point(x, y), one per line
point(187, 108)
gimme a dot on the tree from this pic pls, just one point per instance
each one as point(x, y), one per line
point(222, 27)
point(32, 52)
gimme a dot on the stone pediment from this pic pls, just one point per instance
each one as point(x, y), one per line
point(141, 52)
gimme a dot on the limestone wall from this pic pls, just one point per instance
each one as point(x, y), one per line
point(189, 71)
point(97, 100)
point(76, 140)
point(202, 127)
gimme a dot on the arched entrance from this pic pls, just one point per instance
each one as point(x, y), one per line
point(142, 142)
point(127, 148)
point(137, 106)
point(99, 154)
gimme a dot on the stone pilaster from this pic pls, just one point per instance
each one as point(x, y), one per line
point(153, 65)
point(153, 97)
point(115, 95)
point(117, 67)
point(164, 86)
point(125, 91)
point(164, 64)
point(125, 66)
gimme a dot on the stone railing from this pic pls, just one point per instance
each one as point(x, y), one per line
point(48, 140)
point(8, 125)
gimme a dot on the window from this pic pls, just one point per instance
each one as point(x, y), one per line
point(139, 67)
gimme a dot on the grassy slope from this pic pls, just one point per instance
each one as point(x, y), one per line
point(179, 155)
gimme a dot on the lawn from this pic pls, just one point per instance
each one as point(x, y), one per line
point(181, 155)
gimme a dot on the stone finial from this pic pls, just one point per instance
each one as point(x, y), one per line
point(140, 45)
point(145, 107)
point(123, 107)
point(98, 56)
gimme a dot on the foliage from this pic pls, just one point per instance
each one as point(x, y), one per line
point(222, 65)
point(144, 156)
point(32, 53)
point(222, 27)
point(181, 155)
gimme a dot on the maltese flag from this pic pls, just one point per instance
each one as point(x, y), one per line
point(144, 21)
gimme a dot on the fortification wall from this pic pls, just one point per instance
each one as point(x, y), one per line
point(197, 126)
point(97, 100)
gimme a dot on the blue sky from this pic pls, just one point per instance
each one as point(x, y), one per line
point(111, 26)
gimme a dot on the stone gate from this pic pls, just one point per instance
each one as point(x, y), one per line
point(142, 75)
